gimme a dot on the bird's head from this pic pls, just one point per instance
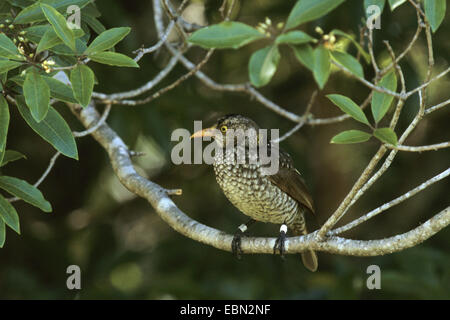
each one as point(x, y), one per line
point(232, 125)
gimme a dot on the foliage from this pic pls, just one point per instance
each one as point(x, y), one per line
point(124, 250)
point(36, 43)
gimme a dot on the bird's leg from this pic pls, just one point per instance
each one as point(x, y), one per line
point(236, 243)
point(279, 244)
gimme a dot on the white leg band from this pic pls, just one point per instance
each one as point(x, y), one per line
point(283, 228)
point(243, 227)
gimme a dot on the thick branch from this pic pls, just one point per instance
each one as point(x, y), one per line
point(169, 212)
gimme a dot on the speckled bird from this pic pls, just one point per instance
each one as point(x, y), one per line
point(281, 198)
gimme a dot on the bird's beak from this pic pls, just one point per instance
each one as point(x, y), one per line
point(208, 132)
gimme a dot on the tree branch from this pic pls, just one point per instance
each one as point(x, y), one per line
point(179, 221)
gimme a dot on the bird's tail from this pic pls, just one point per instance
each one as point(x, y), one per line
point(309, 257)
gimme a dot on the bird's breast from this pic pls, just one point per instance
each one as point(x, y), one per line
point(253, 193)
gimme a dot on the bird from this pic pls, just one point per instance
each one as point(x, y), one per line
point(279, 198)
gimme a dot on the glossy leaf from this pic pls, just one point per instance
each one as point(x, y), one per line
point(351, 136)
point(308, 10)
point(94, 23)
point(348, 62)
point(6, 65)
point(2, 233)
point(62, 49)
point(107, 40)
point(52, 129)
point(25, 191)
point(59, 24)
point(263, 65)
point(9, 215)
point(227, 34)
point(382, 101)
point(37, 95)
point(294, 37)
point(8, 49)
point(34, 12)
point(386, 135)
point(10, 156)
point(305, 55)
point(36, 32)
point(113, 59)
point(4, 124)
point(51, 39)
point(82, 79)
point(361, 50)
point(322, 66)
point(58, 89)
point(396, 3)
point(435, 12)
point(348, 106)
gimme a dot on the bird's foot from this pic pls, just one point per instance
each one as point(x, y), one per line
point(279, 243)
point(236, 244)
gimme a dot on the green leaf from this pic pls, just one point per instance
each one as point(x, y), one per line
point(382, 101)
point(307, 10)
point(349, 62)
point(349, 107)
point(25, 191)
point(59, 24)
point(94, 23)
point(62, 49)
point(322, 66)
point(51, 39)
point(435, 12)
point(386, 135)
point(10, 156)
point(4, 124)
point(294, 37)
point(52, 129)
point(37, 95)
point(6, 65)
point(263, 64)
point(34, 12)
point(361, 50)
point(9, 215)
point(82, 79)
point(59, 90)
point(396, 3)
point(35, 33)
point(8, 49)
point(107, 40)
point(304, 54)
point(351, 136)
point(113, 59)
point(227, 34)
point(2, 233)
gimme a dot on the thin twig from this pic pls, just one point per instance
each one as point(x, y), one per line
point(93, 128)
point(390, 204)
point(169, 87)
point(302, 122)
point(431, 147)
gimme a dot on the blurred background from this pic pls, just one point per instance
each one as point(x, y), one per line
point(126, 251)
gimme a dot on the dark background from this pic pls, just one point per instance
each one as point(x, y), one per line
point(126, 251)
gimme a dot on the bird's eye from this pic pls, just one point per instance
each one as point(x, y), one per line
point(224, 129)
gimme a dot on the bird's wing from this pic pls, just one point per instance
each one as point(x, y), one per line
point(289, 180)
